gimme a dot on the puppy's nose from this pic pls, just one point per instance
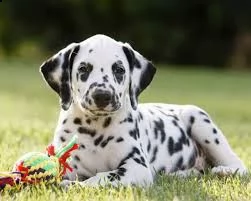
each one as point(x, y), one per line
point(101, 98)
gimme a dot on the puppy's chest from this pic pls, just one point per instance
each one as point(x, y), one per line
point(98, 151)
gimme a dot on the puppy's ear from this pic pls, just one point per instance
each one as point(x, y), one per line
point(57, 73)
point(142, 72)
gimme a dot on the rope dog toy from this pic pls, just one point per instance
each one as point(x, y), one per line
point(36, 167)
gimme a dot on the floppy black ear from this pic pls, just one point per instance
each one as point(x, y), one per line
point(57, 73)
point(142, 72)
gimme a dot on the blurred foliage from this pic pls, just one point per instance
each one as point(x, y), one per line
point(173, 31)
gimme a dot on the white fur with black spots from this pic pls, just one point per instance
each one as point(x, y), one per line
point(123, 142)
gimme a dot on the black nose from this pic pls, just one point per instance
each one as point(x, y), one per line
point(101, 98)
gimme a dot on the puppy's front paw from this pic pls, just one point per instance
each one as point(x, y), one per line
point(67, 183)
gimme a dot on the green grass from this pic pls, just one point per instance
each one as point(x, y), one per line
point(29, 110)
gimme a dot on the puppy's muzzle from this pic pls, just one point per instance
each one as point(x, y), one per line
point(102, 98)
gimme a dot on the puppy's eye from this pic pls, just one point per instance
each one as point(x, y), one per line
point(85, 68)
point(118, 68)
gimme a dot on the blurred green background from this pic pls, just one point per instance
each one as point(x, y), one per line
point(209, 33)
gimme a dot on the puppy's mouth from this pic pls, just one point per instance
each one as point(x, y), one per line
point(102, 111)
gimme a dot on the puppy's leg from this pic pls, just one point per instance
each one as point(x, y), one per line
point(203, 130)
point(132, 170)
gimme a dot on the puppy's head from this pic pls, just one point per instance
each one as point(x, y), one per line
point(98, 74)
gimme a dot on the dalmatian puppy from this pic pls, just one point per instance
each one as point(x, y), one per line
point(120, 141)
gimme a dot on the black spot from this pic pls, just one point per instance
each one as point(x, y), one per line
point(65, 120)
point(203, 113)
point(105, 78)
point(149, 146)
point(168, 115)
point(136, 150)
point(77, 121)
point(88, 121)
point(105, 142)
point(98, 140)
point(159, 129)
point(173, 116)
point(175, 123)
point(128, 119)
point(137, 63)
point(118, 71)
point(183, 138)
point(87, 69)
point(207, 142)
point(82, 146)
point(192, 160)
point(214, 131)
point(140, 161)
point(107, 122)
point(155, 150)
point(121, 171)
point(120, 94)
point(75, 166)
point(87, 93)
point(113, 176)
point(76, 158)
point(179, 164)
point(87, 131)
point(192, 119)
point(62, 139)
point(135, 132)
point(174, 147)
point(90, 50)
point(187, 142)
point(171, 110)
point(93, 85)
point(120, 139)
point(207, 121)
point(217, 141)
point(67, 131)
point(130, 155)
point(137, 160)
point(65, 95)
point(140, 116)
point(102, 70)
point(189, 131)
point(130, 57)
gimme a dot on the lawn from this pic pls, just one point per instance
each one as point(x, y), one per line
point(29, 110)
